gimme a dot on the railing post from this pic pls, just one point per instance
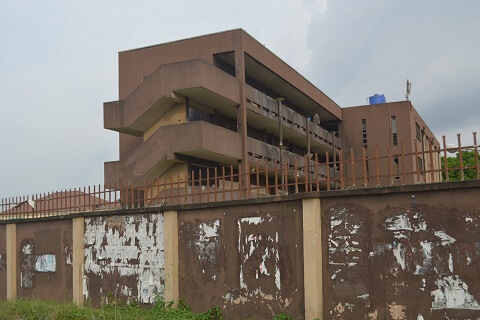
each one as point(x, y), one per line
point(460, 155)
point(445, 160)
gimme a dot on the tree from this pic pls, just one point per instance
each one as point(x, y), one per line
point(468, 160)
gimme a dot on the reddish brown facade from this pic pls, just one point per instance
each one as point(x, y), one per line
point(387, 127)
point(245, 259)
point(409, 255)
point(227, 81)
point(44, 260)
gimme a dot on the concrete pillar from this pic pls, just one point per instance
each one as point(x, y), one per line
point(242, 108)
point(312, 258)
point(170, 233)
point(11, 261)
point(78, 235)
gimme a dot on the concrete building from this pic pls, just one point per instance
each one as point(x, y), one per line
point(215, 100)
point(391, 128)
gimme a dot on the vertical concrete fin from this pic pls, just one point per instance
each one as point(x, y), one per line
point(11, 261)
point(312, 258)
point(171, 256)
point(78, 230)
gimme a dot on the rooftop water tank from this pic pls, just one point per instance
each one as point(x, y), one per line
point(377, 99)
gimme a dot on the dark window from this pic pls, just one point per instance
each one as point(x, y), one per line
point(394, 131)
point(420, 165)
point(364, 132)
point(419, 132)
point(396, 168)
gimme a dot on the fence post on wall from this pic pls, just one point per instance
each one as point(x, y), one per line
point(11, 242)
point(78, 234)
point(312, 258)
point(171, 256)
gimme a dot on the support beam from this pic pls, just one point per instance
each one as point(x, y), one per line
point(312, 258)
point(170, 227)
point(242, 112)
point(11, 261)
point(78, 233)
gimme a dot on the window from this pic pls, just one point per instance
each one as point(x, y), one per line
point(364, 132)
point(420, 165)
point(419, 132)
point(394, 131)
point(396, 168)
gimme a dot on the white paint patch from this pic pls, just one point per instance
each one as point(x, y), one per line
point(399, 253)
point(400, 222)
point(46, 263)
point(445, 238)
point(452, 293)
point(450, 262)
point(27, 249)
point(420, 317)
point(427, 258)
point(68, 256)
point(134, 247)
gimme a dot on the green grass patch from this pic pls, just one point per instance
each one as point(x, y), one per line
point(26, 309)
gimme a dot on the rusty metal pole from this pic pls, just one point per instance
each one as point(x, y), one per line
point(460, 156)
point(476, 154)
point(445, 160)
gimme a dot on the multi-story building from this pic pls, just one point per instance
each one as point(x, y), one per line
point(225, 99)
point(213, 100)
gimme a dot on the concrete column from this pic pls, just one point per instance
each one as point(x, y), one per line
point(242, 108)
point(11, 261)
point(170, 234)
point(78, 230)
point(312, 258)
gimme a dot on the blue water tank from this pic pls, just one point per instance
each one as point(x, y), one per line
point(377, 99)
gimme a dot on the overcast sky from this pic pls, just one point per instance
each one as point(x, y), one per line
point(58, 64)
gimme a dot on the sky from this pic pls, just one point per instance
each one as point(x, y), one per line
point(58, 64)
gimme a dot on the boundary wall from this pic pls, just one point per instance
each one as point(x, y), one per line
point(385, 253)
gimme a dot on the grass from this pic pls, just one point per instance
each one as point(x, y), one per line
point(26, 309)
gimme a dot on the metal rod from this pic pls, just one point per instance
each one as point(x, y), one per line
point(377, 167)
point(223, 183)
point(231, 182)
point(352, 163)
point(416, 160)
point(364, 161)
point(445, 160)
point(390, 166)
point(477, 165)
point(462, 177)
point(404, 168)
point(257, 177)
point(430, 152)
point(266, 175)
point(327, 165)
point(276, 176)
point(215, 185)
point(317, 178)
point(340, 161)
point(208, 184)
point(193, 186)
point(295, 174)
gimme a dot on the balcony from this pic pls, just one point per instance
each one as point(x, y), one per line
point(153, 157)
point(169, 84)
point(263, 114)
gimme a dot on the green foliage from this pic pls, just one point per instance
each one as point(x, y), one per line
point(468, 160)
point(46, 310)
point(282, 316)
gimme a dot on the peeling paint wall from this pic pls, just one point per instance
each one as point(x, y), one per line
point(3, 262)
point(402, 256)
point(124, 258)
point(245, 259)
point(43, 269)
